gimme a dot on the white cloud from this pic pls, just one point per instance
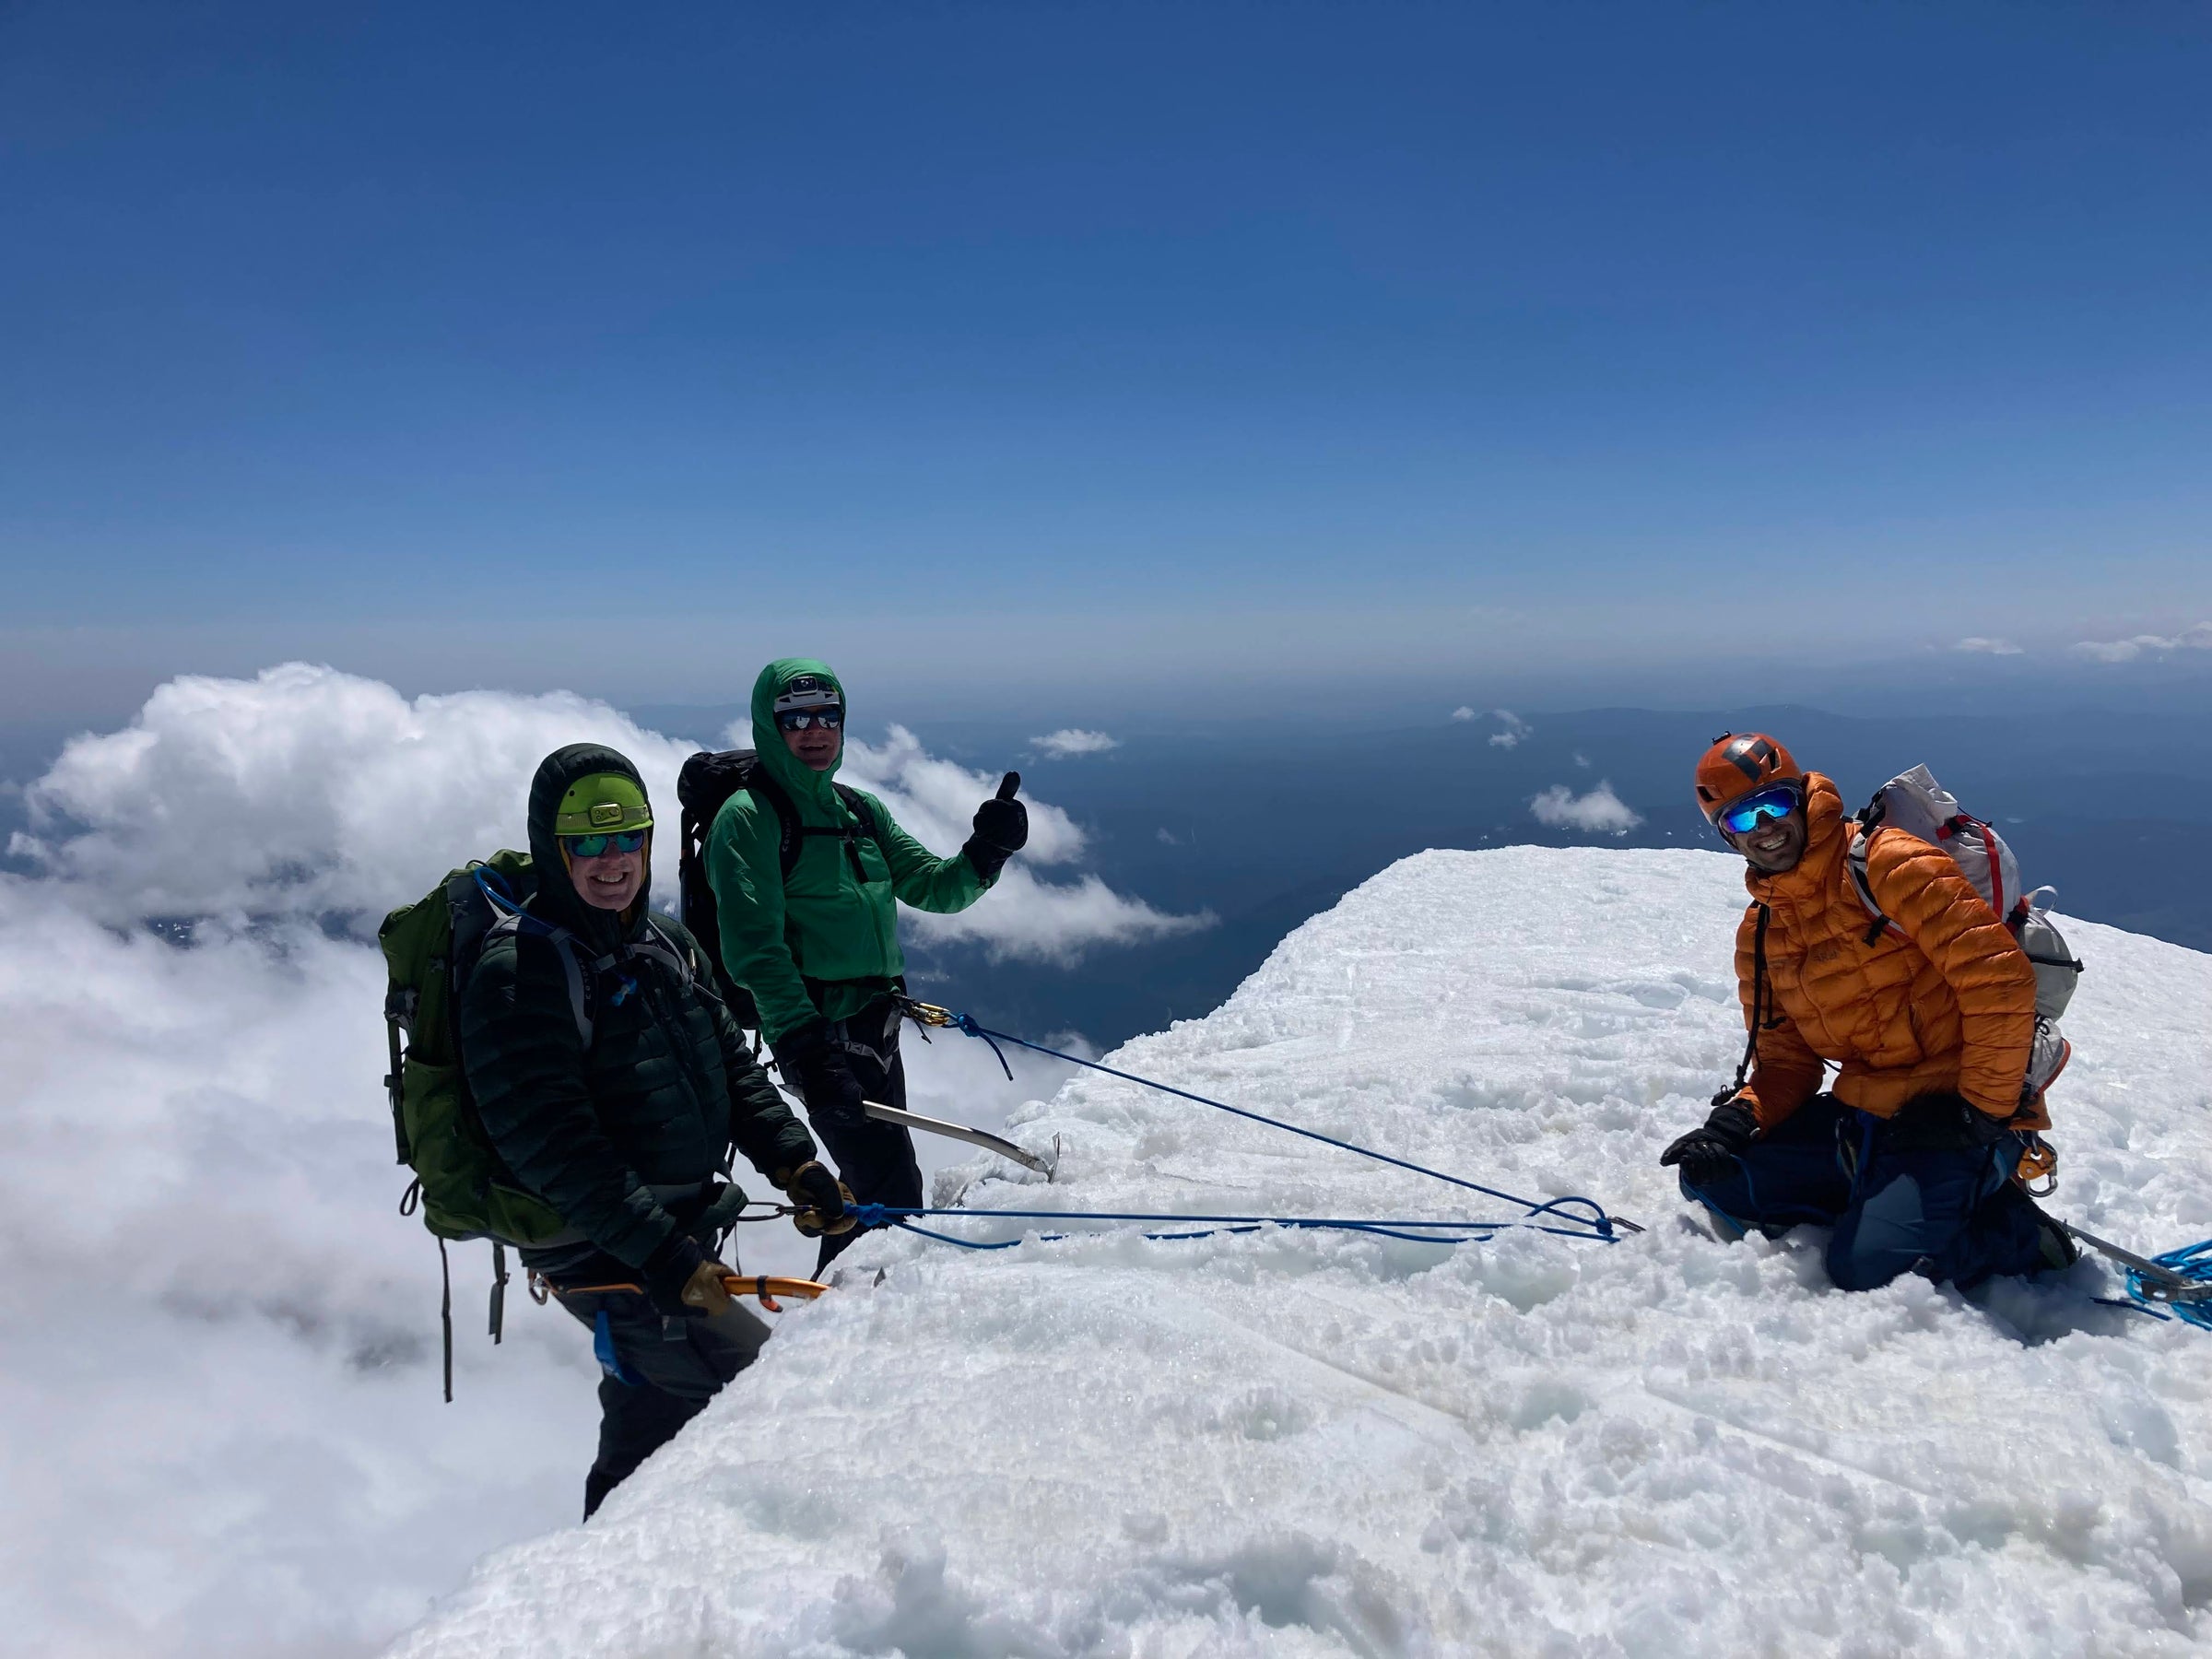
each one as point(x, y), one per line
point(1601, 812)
point(305, 791)
point(2198, 638)
point(1582, 759)
point(1463, 712)
point(223, 1432)
point(1168, 838)
point(1069, 742)
point(1977, 645)
point(1515, 729)
point(218, 1339)
point(1023, 916)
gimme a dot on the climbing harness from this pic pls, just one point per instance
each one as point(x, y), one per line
point(1600, 1224)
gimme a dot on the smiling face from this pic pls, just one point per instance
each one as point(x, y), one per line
point(611, 882)
point(1772, 845)
point(816, 746)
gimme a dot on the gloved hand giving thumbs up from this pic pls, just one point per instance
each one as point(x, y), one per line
point(1002, 829)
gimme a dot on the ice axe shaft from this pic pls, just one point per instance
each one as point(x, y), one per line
point(2160, 1284)
point(959, 1131)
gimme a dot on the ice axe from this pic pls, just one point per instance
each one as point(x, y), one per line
point(959, 1131)
point(950, 1131)
point(2158, 1282)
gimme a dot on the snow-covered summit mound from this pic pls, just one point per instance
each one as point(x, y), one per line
point(1310, 1443)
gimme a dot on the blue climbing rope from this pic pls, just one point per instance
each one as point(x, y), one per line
point(1412, 1232)
point(1602, 1224)
point(2191, 1262)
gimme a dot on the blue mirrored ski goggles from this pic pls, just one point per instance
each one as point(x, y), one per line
point(599, 846)
point(798, 720)
point(1776, 801)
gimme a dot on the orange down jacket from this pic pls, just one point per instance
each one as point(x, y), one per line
point(1950, 1005)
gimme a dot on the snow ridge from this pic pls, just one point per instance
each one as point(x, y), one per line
point(1307, 1444)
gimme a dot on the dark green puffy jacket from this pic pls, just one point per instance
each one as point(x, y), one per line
point(835, 922)
point(623, 1138)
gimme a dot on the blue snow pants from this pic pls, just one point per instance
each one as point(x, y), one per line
point(1952, 1214)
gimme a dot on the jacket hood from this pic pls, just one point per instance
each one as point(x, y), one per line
point(558, 899)
point(1826, 839)
point(800, 781)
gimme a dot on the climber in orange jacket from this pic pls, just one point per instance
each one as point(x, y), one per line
point(1910, 1157)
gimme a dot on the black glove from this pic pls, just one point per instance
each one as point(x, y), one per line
point(817, 1068)
point(1002, 829)
point(668, 1270)
point(1708, 1152)
point(1943, 1122)
point(822, 1198)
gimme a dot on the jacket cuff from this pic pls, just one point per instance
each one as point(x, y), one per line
point(987, 860)
point(807, 1041)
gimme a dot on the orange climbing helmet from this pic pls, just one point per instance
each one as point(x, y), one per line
point(1735, 766)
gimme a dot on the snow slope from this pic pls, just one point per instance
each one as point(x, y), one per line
point(1320, 1444)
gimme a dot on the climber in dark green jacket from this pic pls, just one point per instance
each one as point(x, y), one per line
point(625, 1134)
point(819, 951)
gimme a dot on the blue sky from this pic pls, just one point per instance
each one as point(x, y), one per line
point(542, 344)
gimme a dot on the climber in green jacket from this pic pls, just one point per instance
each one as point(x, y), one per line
point(819, 950)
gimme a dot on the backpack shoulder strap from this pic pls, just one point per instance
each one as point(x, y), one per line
point(660, 946)
point(572, 967)
point(1855, 861)
point(766, 789)
point(859, 806)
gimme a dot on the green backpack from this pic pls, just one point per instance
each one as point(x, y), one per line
point(430, 947)
point(460, 1185)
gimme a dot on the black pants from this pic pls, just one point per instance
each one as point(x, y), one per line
point(876, 1160)
point(677, 1366)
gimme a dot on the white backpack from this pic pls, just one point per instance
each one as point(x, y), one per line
point(1914, 803)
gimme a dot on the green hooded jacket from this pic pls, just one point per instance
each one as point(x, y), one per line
point(624, 1138)
point(833, 923)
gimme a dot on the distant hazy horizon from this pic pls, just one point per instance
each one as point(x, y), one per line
point(1274, 357)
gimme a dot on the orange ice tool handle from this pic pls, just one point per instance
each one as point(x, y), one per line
point(766, 1287)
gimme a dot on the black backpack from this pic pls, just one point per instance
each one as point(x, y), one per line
point(708, 780)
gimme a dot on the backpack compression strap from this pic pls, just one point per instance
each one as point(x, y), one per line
point(1855, 861)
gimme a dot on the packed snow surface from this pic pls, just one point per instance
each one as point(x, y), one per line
point(1310, 1443)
